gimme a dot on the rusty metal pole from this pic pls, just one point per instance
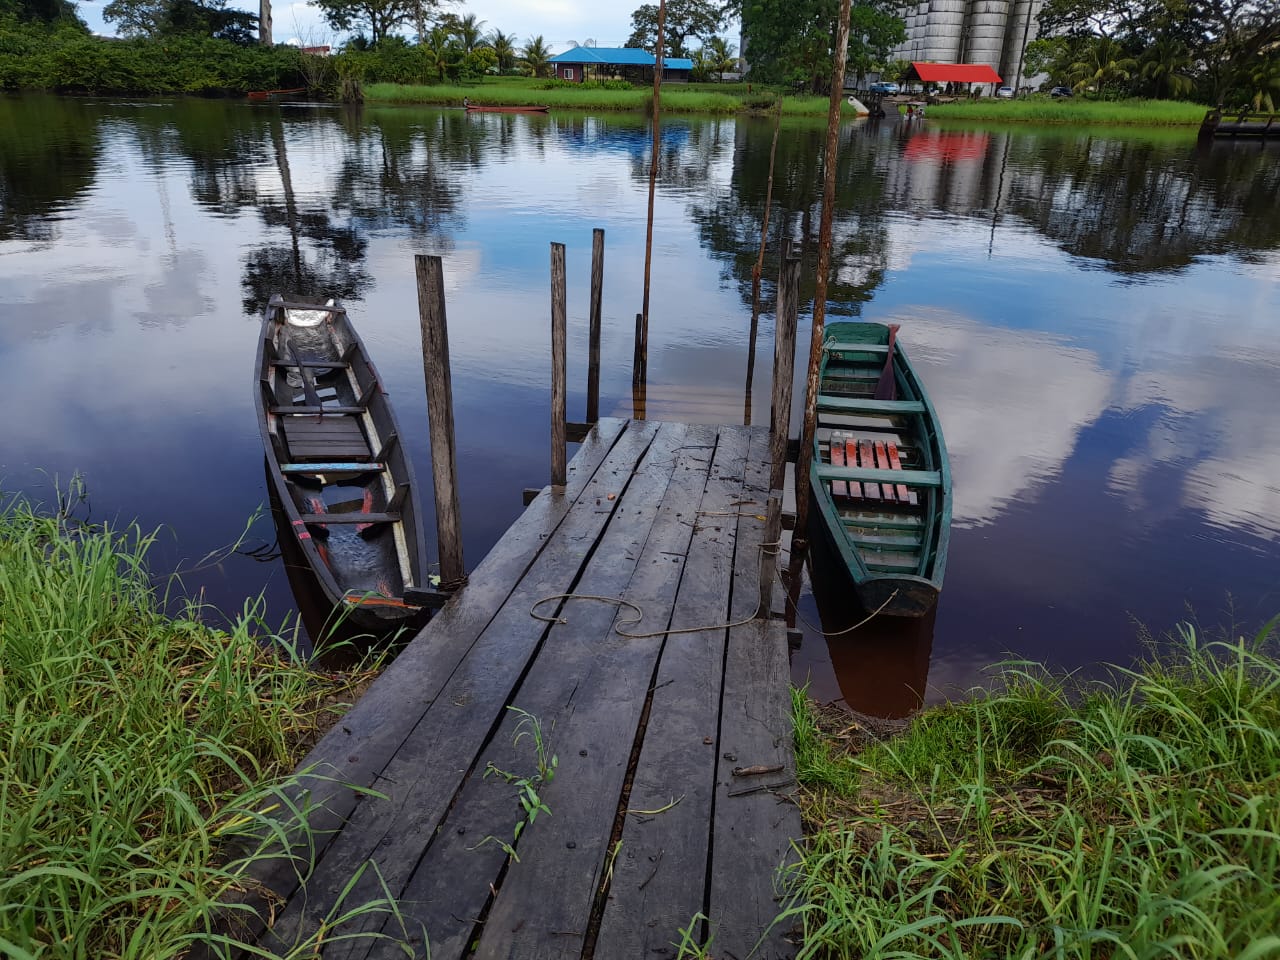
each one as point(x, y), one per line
point(804, 459)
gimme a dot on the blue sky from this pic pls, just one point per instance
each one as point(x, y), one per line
point(560, 22)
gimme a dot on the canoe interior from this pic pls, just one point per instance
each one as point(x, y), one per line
point(892, 536)
point(334, 454)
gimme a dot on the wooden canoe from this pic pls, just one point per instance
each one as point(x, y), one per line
point(271, 94)
point(488, 108)
point(880, 475)
point(344, 481)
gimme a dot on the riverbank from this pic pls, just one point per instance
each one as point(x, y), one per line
point(140, 752)
point(1075, 111)
point(676, 98)
point(1137, 818)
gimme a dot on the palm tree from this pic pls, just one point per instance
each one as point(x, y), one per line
point(536, 57)
point(719, 54)
point(469, 32)
point(1103, 65)
point(504, 46)
point(441, 52)
point(1166, 64)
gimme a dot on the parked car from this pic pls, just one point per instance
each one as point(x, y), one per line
point(884, 86)
point(1005, 93)
point(1060, 92)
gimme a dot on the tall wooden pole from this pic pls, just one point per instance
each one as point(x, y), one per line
point(805, 456)
point(784, 362)
point(559, 454)
point(444, 454)
point(640, 369)
point(593, 359)
point(758, 269)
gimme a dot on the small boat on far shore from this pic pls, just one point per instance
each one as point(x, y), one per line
point(495, 108)
point(273, 94)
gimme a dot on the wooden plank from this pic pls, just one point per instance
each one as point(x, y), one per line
point(912, 478)
point(826, 403)
point(589, 686)
point(355, 751)
point(434, 325)
point(876, 540)
point(882, 463)
point(839, 488)
point(834, 347)
point(752, 832)
point(559, 386)
point(867, 461)
point(328, 518)
point(303, 410)
point(851, 460)
point(784, 362)
point(444, 758)
point(895, 463)
point(659, 877)
point(332, 467)
point(593, 337)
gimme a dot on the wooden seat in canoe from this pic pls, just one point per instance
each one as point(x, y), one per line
point(332, 438)
point(847, 451)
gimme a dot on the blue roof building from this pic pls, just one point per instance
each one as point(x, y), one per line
point(621, 63)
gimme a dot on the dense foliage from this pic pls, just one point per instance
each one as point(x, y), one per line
point(1219, 51)
point(176, 18)
point(792, 41)
point(684, 21)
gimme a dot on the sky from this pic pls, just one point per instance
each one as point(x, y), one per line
point(560, 22)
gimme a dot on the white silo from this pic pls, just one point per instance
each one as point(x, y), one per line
point(988, 20)
point(1020, 30)
point(942, 36)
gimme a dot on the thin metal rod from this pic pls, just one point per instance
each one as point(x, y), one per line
point(805, 457)
point(640, 369)
point(444, 454)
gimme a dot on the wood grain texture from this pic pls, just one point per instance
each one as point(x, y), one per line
point(593, 338)
point(559, 366)
point(444, 454)
point(784, 363)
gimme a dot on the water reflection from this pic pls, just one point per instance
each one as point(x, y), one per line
point(1094, 314)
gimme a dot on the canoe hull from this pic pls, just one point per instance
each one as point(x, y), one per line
point(483, 108)
point(343, 482)
point(880, 477)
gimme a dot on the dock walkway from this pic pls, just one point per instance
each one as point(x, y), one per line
point(674, 759)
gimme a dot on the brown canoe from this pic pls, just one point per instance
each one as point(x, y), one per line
point(487, 108)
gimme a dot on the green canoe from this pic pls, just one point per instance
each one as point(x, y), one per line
point(880, 475)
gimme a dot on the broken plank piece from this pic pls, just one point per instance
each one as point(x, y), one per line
point(867, 459)
point(659, 876)
point(357, 749)
point(851, 458)
point(601, 682)
point(882, 463)
point(839, 488)
point(438, 864)
point(895, 462)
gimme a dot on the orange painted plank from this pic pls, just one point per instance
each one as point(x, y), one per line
point(851, 456)
point(839, 488)
point(869, 490)
point(895, 463)
point(882, 463)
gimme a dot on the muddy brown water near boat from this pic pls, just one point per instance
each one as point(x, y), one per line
point(1094, 314)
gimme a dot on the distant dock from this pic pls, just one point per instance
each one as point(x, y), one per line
point(1247, 125)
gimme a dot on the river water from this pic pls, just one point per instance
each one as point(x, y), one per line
point(1095, 313)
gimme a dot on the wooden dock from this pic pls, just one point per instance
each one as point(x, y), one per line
point(668, 809)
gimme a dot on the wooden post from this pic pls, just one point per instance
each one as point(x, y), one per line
point(784, 362)
point(769, 553)
point(638, 371)
point(559, 456)
point(805, 457)
point(758, 268)
point(444, 455)
point(639, 358)
point(593, 357)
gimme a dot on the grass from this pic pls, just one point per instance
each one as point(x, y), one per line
point(143, 759)
point(1138, 818)
point(676, 98)
point(1075, 110)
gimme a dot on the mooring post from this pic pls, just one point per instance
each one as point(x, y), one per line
point(639, 357)
point(593, 356)
point(784, 362)
point(769, 552)
point(559, 455)
point(444, 454)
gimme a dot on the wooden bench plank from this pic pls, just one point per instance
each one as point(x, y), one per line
point(895, 463)
point(912, 478)
point(882, 463)
point(659, 877)
point(303, 410)
point(356, 517)
point(444, 750)
point(837, 347)
point(827, 402)
point(867, 461)
point(839, 488)
point(356, 750)
point(332, 467)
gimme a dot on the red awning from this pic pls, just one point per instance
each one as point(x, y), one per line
point(955, 73)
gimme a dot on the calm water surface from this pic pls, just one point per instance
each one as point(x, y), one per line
point(1095, 315)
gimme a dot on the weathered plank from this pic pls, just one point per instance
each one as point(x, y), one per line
point(359, 746)
point(571, 852)
point(593, 337)
point(659, 877)
point(453, 880)
point(752, 832)
point(559, 384)
point(424, 777)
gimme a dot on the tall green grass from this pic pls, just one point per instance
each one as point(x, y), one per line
point(143, 759)
point(1075, 110)
point(1138, 818)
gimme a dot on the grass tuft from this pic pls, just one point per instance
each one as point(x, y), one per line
point(1136, 818)
point(143, 759)
point(1078, 111)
